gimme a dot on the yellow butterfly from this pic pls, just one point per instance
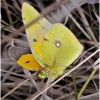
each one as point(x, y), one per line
point(54, 47)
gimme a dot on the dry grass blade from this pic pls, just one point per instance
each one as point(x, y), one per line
point(78, 25)
point(18, 85)
point(7, 11)
point(85, 22)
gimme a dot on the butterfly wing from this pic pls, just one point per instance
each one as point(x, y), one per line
point(24, 58)
point(60, 46)
point(36, 31)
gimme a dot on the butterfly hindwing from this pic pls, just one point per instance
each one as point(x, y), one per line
point(60, 46)
point(24, 58)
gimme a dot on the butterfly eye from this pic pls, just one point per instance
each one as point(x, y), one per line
point(27, 61)
point(35, 40)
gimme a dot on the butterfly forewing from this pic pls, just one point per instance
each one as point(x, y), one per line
point(36, 31)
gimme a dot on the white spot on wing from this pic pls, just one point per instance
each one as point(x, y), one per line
point(57, 43)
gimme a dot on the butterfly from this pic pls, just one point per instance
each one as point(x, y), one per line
point(54, 47)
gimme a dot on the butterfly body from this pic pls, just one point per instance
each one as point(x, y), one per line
point(54, 71)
